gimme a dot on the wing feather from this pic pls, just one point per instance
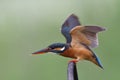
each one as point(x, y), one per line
point(76, 34)
point(69, 23)
point(86, 35)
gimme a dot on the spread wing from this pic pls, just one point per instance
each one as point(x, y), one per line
point(86, 35)
point(69, 24)
point(76, 34)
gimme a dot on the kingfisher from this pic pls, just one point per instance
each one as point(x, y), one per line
point(79, 41)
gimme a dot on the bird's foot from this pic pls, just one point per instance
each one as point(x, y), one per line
point(74, 60)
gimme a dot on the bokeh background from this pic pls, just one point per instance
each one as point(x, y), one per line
point(29, 25)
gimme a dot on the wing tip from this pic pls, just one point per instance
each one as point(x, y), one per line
point(74, 16)
point(95, 28)
point(72, 20)
point(103, 28)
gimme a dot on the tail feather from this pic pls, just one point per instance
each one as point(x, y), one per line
point(94, 59)
point(98, 62)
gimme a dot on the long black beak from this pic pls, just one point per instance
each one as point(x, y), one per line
point(42, 51)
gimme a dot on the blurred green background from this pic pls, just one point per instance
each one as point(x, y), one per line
point(29, 25)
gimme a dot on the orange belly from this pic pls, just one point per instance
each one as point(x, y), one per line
point(81, 53)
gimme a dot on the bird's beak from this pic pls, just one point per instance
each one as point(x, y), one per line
point(41, 51)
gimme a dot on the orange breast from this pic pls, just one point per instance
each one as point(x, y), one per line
point(76, 52)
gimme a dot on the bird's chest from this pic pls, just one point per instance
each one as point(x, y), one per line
point(81, 53)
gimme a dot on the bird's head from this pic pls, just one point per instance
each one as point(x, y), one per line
point(55, 48)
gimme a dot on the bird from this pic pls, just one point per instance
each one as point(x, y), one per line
point(80, 39)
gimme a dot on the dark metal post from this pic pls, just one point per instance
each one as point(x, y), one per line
point(72, 71)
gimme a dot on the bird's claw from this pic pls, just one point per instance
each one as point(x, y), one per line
point(74, 60)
